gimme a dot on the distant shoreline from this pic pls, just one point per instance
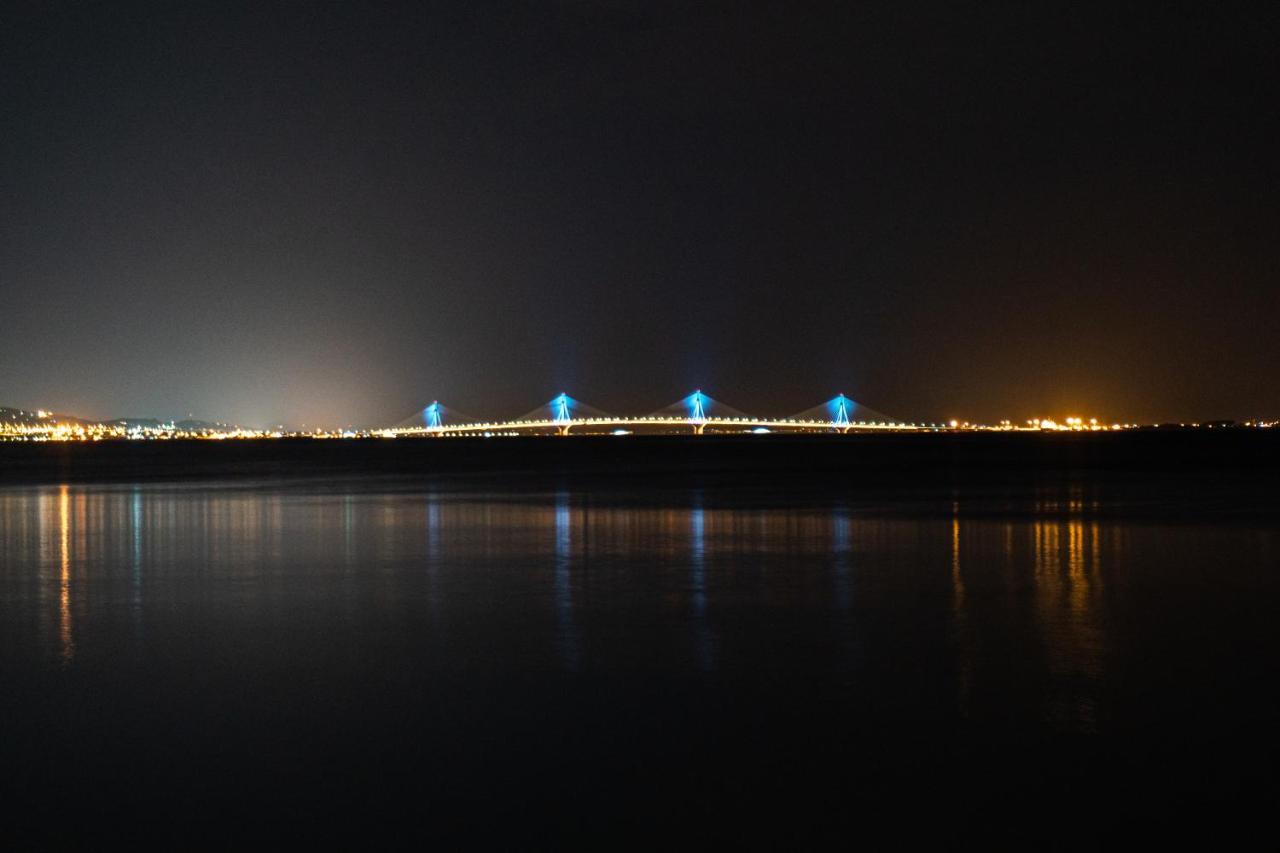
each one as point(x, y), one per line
point(792, 459)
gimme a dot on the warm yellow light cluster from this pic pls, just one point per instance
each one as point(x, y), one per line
point(219, 435)
point(50, 430)
point(54, 431)
point(1071, 423)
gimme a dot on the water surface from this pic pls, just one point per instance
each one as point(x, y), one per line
point(220, 663)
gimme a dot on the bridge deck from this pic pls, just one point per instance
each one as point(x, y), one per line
point(697, 425)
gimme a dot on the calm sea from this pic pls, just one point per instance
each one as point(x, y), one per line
point(368, 661)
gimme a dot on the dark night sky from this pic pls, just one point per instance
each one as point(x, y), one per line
point(324, 214)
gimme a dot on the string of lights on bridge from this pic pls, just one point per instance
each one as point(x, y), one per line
point(696, 413)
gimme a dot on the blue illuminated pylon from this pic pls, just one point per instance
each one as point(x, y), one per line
point(697, 410)
point(841, 413)
point(431, 414)
point(563, 411)
point(560, 406)
point(841, 405)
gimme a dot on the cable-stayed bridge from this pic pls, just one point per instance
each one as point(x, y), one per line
point(697, 413)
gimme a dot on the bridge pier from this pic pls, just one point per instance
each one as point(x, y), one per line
point(563, 429)
point(698, 428)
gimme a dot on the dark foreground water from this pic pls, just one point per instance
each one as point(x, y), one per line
point(371, 661)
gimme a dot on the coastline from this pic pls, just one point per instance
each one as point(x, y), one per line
point(1170, 474)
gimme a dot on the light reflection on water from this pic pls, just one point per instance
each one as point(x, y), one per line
point(66, 638)
point(1068, 588)
point(1011, 612)
point(564, 562)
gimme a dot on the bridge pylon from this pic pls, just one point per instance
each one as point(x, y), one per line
point(844, 414)
point(561, 412)
point(698, 410)
point(433, 416)
point(697, 407)
point(433, 419)
point(841, 415)
point(560, 406)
